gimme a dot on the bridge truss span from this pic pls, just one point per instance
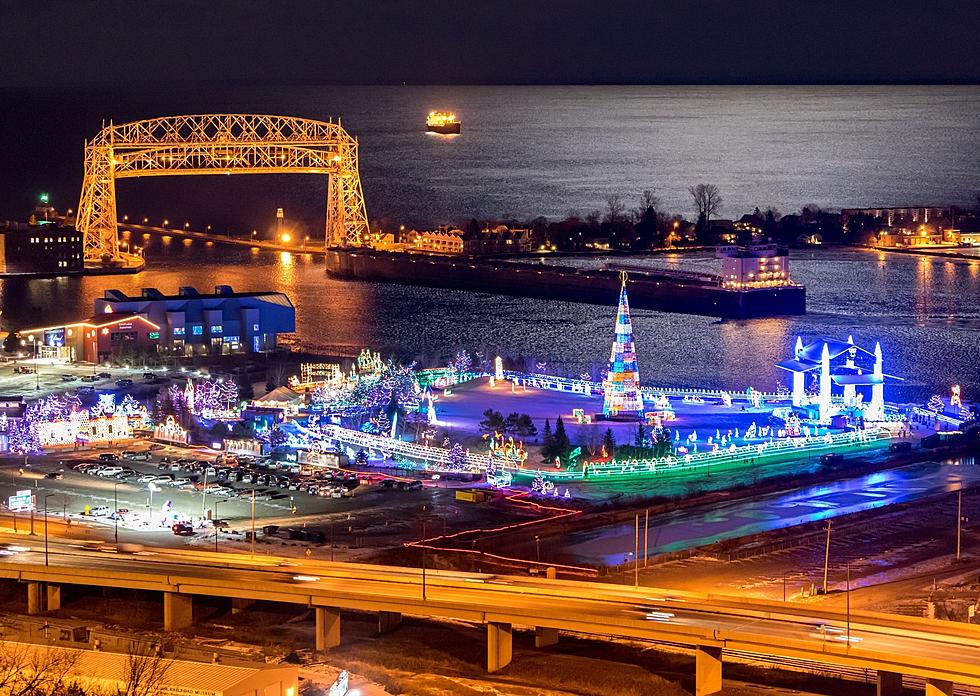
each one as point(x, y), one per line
point(219, 144)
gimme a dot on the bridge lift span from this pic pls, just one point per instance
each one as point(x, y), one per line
point(219, 144)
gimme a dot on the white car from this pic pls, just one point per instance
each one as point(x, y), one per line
point(147, 478)
point(160, 479)
point(183, 482)
point(110, 471)
point(99, 511)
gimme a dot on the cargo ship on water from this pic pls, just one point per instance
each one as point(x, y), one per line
point(442, 122)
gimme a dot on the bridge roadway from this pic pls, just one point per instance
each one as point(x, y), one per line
point(941, 653)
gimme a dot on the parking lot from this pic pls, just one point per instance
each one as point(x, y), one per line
point(34, 379)
point(155, 488)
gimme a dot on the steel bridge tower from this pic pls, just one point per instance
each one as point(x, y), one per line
point(219, 144)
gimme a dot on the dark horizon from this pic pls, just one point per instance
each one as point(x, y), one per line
point(158, 43)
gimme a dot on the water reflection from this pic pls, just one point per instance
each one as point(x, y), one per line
point(699, 526)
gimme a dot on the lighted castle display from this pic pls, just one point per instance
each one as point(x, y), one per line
point(622, 397)
point(838, 364)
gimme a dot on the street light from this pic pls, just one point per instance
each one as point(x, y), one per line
point(37, 365)
point(152, 488)
point(115, 510)
point(214, 522)
point(45, 502)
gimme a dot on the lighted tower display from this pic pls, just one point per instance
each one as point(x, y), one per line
point(622, 386)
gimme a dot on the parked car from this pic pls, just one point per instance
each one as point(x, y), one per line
point(90, 378)
point(161, 479)
point(105, 375)
point(54, 475)
point(182, 482)
point(147, 478)
point(110, 471)
point(124, 382)
point(86, 390)
point(132, 454)
point(99, 511)
point(108, 457)
point(414, 486)
point(182, 529)
point(149, 376)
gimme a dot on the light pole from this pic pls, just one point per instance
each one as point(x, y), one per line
point(45, 502)
point(253, 521)
point(423, 553)
point(214, 523)
point(826, 558)
point(115, 509)
point(959, 521)
point(37, 365)
point(204, 495)
point(537, 547)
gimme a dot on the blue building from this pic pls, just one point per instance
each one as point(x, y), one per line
point(225, 321)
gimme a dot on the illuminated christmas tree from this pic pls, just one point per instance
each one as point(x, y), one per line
point(622, 386)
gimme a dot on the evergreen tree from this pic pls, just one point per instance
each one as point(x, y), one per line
point(639, 440)
point(562, 444)
point(609, 443)
point(361, 458)
point(457, 458)
point(547, 441)
point(492, 421)
point(246, 392)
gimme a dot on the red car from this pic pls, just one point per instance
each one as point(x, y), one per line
point(181, 529)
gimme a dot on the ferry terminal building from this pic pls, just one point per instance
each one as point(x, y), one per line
point(188, 323)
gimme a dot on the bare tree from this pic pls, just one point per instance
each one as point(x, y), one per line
point(28, 670)
point(592, 219)
point(145, 670)
point(647, 200)
point(707, 200)
point(614, 208)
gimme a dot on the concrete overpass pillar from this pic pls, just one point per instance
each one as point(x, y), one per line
point(178, 611)
point(388, 620)
point(707, 670)
point(544, 636)
point(240, 605)
point(939, 687)
point(327, 628)
point(889, 683)
point(54, 596)
point(500, 645)
point(34, 598)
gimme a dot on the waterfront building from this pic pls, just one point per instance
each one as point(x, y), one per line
point(838, 364)
point(903, 216)
point(438, 241)
point(499, 240)
point(41, 248)
point(188, 323)
point(621, 390)
point(753, 266)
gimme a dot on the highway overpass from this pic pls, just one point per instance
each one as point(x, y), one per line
point(941, 653)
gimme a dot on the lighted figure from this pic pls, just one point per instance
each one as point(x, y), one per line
point(431, 415)
point(498, 368)
point(622, 397)
point(936, 404)
point(750, 434)
point(954, 396)
point(726, 399)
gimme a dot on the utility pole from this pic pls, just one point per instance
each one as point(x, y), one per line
point(826, 558)
point(423, 553)
point(636, 553)
point(848, 605)
point(253, 522)
point(959, 521)
point(646, 537)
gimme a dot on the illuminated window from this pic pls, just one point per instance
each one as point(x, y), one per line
point(215, 328)
point(197, 330)
point(178, 331)
point(255, 327)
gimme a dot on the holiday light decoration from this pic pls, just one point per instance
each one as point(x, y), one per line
point(457, 458)
point(622, 397)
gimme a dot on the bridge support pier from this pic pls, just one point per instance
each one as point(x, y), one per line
point(500, 645)
point(35, 598)
point(54, 596)
point(889, 683)
point(327, 628)
point(178, 611)
point(239, 605)
point(388, 620)
point(707, 670)
point(939, 687)
point(544, 636)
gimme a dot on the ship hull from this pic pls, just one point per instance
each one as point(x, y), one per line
point(445, 129)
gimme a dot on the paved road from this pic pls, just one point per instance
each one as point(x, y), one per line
point(914, 646)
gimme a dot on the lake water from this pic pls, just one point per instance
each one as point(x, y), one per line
point(528, 151)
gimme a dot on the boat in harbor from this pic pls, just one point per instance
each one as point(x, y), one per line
point(442, 122)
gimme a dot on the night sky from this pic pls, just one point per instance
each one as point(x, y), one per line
point(125, 43)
